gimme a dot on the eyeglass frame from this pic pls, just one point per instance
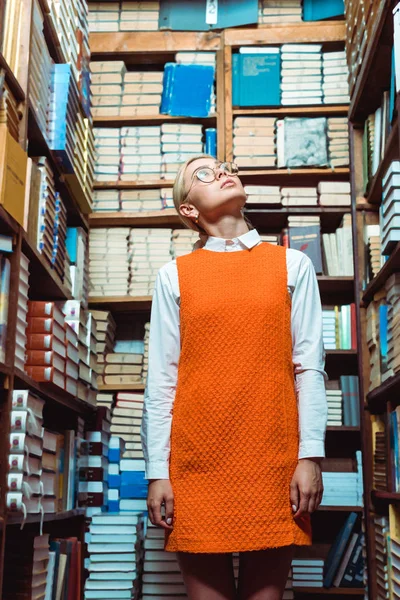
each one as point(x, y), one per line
point(226, 162)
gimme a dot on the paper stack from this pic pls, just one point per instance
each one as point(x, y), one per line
point(279, 11)
point(140, 153)
point(254, 141)
point(150, 249)
point(299, 196)
point(263, 194)
point(109, 261)
point(335, 72)
point(179, 143)
point(107, 143)
point(301, 75)
point(338, 141)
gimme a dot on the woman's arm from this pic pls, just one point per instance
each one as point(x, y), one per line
point(159, 394)
point(309, 361)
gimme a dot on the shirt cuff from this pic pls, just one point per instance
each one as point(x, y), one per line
point(311, 449)
point(156, 470)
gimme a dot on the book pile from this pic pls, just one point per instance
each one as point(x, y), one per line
point(351, 400)
point(334, 398)
point(40, 71)
point(392, 287)
point(106, 200)
point(84, 154)
point(300, 196)
point(11, 38)
point(304, 233)
point(335, 73)
point(390, 208)
point(334, 193)
point(105, 399)
point(380, 475)
point(187, 89)
point(121, 368)
point(254, 141)
point(344, 564)
point(373, 247)
point(59, 237)
point(183, 241)
point(383, 555)
point(394, 418)
point(22, 311)
point(123, 16)
point(307, 572)
point(78, 259)
point(103, 16)
point(178, 144)
point(9, 112)
point(263, 194)
point(125, 423)
point(394, 553)
point(150, 249)
point(140, 200)
point(301, 76)
point(109, 261)
point(107, 143)
point(145, 365)
point(140, 153)
point(342, 485)
point(141, 93)
point(338, 324)
point(132, 488)
point(199, 58)
point(338, 250)
point(279, 11)
point(106, 327)
point(338, 142)
point(376, 329)
point(115, 562)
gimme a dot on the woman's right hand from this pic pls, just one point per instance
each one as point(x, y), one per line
point(160, 490)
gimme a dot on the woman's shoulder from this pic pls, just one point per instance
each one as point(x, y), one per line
point(297, 257)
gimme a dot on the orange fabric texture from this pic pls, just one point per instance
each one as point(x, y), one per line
point(234, 433)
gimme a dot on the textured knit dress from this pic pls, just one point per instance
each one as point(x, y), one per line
point(235, 428)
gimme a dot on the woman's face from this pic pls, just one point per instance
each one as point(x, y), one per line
point(224, 195)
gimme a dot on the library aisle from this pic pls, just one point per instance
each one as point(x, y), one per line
point(101, 101)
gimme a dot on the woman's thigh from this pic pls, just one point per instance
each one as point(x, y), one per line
point(208, 576)
point(263, 573)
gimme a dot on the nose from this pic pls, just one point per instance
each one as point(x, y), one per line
point(219, 172)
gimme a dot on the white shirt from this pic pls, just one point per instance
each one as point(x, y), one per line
point(164, 350)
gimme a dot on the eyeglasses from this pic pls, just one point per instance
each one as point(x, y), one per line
point(208, 174)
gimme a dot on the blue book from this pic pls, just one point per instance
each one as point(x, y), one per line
point(318, 10)
point(133, 491)
point(392, 90)
point(235, 80)
point(394, 448)
point(72, 243)
point(133, 478)
point(260, 78)
point(337, 549)
point(383, 337)
point(188, 90)
point(211, 141)
point(166, 93)
point(181, 15)
point(345, 386)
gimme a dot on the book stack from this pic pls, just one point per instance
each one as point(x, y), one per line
point(40, 71)
point(65, 568)
point(344, 564)
point(140, 200)
point(308, 572)
point(304, 233)
point(263, 194)
point(12, 27)
point(342, 488)
point(107, 143)
point(9, 112)
point(46, 208)
point(373, 250)
point(390, 208)
point(105, 399)
point(254, 141)
point(141, 93)
point(338, 142)
point(302, 142)
point(338, 327)
point(382, 545)
point(394, 553)
point(199, 58)
point(107, 87)
point(178, 144)
point(335, 73)
point(22, 311)
point(121, 368)
point(351, 400)
point(76, 244)
point(46, 347)
point(300, 196)
point(115, 547)
point(186, 89)
point(139, 16)
point(279, 11)
point(392, 287)
point(27, 566)
point(334, 397)
point(103, 16)
point(125, 423)
point(109, 261)
point(334, 193)
point(150, 249)
point(145, 365)
point(301, 76)
point(59, 237)
point(183, 241)
point(50, 476)
point(376, 335)
point(338, 250)
point(115, 450)
point(167, 197)
point(105, 336)
point(394, 417)
point(141, 153)
point(106, 200)
point(380, 474)
point(84, 156)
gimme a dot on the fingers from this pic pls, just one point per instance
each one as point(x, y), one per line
point(309, 501)
point(294, 496)
point(169, 511)
point(154, 504)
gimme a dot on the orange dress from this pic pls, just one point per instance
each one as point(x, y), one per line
point(234, 433)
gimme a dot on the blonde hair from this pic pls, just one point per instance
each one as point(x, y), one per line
point(179, 195)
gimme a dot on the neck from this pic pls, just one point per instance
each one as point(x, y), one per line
point(227, 228)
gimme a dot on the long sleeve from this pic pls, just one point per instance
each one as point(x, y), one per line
point(159, 394)
point(309, 361)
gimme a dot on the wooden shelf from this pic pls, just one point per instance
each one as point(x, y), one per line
point(342, 429)
point(12, 81)
point(374, 75)
point(131, 185)
point(16, 519)
point(166, 216)
point(392, 265)
point(52, 393)
point(388, 391)
point(118, 121)
point(121, 303)
point(374, 192)
point(340, 508)
point(283, 111)
point(329, 591)
point(295, 33)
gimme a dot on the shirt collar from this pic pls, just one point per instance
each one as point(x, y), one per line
point(210, 242)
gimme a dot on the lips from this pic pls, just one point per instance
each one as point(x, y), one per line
point(226, 182)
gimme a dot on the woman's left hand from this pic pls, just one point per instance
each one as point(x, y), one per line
point(306, 488)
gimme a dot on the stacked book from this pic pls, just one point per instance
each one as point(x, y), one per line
point(301, 75)
point(105, 337)
point(373, 249)
point(40, 71)
point(338, 327)
point(123, 16)
point(59, 237)
point(344, 564)
point(167, 197)
point(334, 193)
point(78, 263)
point(254, 141)
point(9, 112)
point(183, 241)
point(338, 142)
point(308, 572)
point(105, 399)
point(342, 488)
point(334, 396)
point(140, 153)
point(263, 194)
point(279, 11)
point(374, 332)
point(103, 16)
point(178, 144)
point(127, 415)
point(392, 287)
point(109, 261)
point(12, 26)
point(106, 87)
point(150, 249)
point(304, 233)
point(141, 93)
point(22, 311)
point(107, 143)
point(338, 250)
point(380, 474)
point(145, 365)
point(106, 201)
point(121, 368)
point(300, 196)
point(335, 73)
point(394, 418)
point(390, 208)
point(140, 200)
point(84, 156)
point(382, 554)
point(115, 547)
point(44, 199)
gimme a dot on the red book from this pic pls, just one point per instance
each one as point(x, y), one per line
point(45, 325)
point(46, 374)
point(45, 358)
point(38, 308)
point(42, 341)
point(353, 326)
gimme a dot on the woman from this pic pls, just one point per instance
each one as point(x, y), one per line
point(235, 408)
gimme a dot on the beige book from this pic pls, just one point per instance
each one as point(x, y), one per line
point(101, 101)
point(260, 146)
point(240, 132)
point(124, 358)
point(267, 19)
point(139, 15)
point(334, 187)
point(256, 161)
point(138, 25)
point(180, 128)
point(263, 199)
point(102, 6)
point(139, 195)
point(103, 27)
point(143, 77)
point(136, 412)
point(143, 88)
point(141, 99)
point(122, 369)
point(254, 122)
point(134, 111)
point(101, 79)
point(140, 5)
